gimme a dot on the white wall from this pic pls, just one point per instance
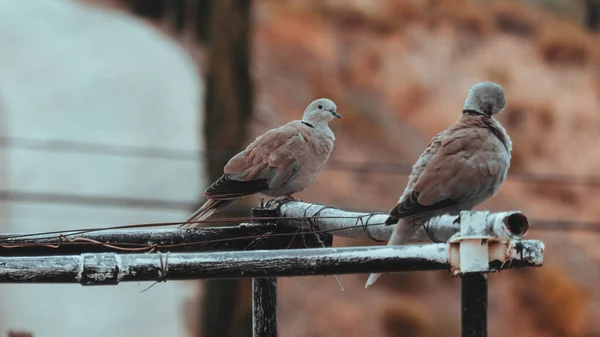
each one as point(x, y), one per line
point(69, 72)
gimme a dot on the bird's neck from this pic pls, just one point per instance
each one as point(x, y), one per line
point(319, 128)
point(472, 105)
point(315, 124)
point(472, 112)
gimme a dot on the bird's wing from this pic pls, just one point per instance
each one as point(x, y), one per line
point(469, 164)
point(266, 163)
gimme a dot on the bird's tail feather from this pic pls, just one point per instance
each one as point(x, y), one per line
point(399, 236)
point(209, 208)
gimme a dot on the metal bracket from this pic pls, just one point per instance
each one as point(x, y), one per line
point(485, 242)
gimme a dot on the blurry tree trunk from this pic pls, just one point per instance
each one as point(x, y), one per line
point(591, 14)
point(228, 108)
point(203, 12)
point(151, 9)
point(173, 13)
point(179, 15)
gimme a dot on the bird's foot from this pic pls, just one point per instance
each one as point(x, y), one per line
point(277, 201)
point(291, 197)
point(285, 198)
point(281, 200)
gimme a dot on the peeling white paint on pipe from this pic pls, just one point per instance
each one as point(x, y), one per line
point(365, 225)
point(112, 268)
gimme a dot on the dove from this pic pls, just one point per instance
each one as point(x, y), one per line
point(279, 163)
point(461, 167)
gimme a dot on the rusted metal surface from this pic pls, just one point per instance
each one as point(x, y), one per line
point(482, 245)
point(494, 256)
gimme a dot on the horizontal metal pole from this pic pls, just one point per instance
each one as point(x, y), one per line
point(280, 232)
point(505, 225)
point(226, 238)
point(112, 268)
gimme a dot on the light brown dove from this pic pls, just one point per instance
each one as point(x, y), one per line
point(279, 163)
point(461, 167)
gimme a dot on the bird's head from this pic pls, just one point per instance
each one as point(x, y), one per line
point(320, 111)
point(486, 98)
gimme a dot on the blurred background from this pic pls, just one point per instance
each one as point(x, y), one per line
point(115, 112)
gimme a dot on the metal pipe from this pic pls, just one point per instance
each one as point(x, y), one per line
point(226, 238)
point(264, 293)
point(474, 293)
point(112, 268)
point(289, 216)
point(264, 307)
point(506, 225)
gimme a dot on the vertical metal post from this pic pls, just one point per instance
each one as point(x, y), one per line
point(264, 307)
point(264, 293)
point(474, 292)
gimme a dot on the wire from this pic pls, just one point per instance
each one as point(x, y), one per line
point(89, 200)
point(105, 149)
point(213, 221)
point(564, 225)
point(62, 234)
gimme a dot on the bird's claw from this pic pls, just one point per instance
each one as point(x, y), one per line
point(276, 201)
point(285, 198)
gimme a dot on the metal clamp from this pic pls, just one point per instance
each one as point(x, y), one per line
point(487, 241)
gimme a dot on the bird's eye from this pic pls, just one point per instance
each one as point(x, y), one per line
point(320, 107)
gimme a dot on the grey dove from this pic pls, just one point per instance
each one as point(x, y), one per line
point(461, 167)
point(279, 163)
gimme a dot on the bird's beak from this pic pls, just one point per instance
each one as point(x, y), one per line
point(336, 114)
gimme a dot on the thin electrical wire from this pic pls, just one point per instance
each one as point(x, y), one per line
point(124, 246)
point(119, 245)
point(70, 232)
point(91, 200)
